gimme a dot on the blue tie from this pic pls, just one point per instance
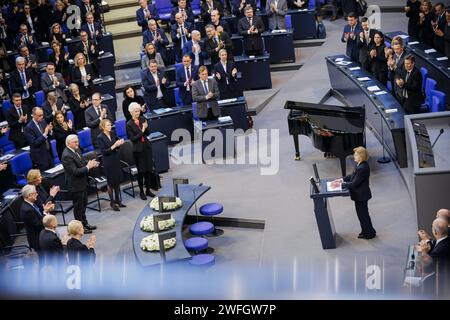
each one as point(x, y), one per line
point(206, 91)
point(25, 95)
point(37, 209)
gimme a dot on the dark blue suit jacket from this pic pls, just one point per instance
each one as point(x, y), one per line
point(150, 88)
point(160, 46)
point(358, 183)
point(352, 45)
point(175, 40)
point(97, 27)
point(180, 76)
point(38, 148)
point(190, 15)
point(140, 16)
point(187, 49)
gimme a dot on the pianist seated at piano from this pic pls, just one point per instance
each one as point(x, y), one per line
point(410, 83)
point(358, 185)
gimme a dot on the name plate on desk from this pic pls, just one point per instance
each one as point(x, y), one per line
point(56, 169)
point(279, 31)
point(224, 119)
point(227, 101)
point(162, 110)
point(442, 58)
point(430, 51)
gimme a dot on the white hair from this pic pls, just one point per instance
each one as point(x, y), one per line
point(133, 106)
point(27, 190)
point(440, 226)
point(47, 220)
point(70, 138)
point(20, 59)
point(195, 32)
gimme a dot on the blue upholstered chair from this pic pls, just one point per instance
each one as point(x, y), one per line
point(424, 72)
point(20, 165)
point(70, 116)
point(6, 145)
point(288, 21)
point(40, 97)
point(430, 84)
point(84, 137)
point(121, 129)
point(55, 153)
point(6, 105)
point(437, 101)
point(210, 210)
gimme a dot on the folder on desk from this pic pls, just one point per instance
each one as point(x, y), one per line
point(331, 188)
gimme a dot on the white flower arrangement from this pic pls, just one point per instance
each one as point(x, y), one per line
point(167, 206)
point(151, 243)
point(147, 224)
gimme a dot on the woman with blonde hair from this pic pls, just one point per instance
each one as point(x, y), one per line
point(83, 75)
point(358, 185)
point(46, 193)
point(76, 250)
point(109, 145)
point(151, 54)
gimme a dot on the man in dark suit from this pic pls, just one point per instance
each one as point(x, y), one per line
point(439, 27)
point(52, 247)
point(94, 114)
point(225, 73)
point(207, 7)
point(17, 117)
point(215, 42)
point(38, 134)
point(89, 6)
point(196, 49)
point(155, 84)
point(30, 59)
point(51, 105)
point(185, 75)
point(358, 185)
point(251, 27)
point(22, 81)
point(93, 29)
point(410, 81)
point(447, 34)
point(365, 43)
point(32, 216)
point(205, 93)
point(412, 10)
point(441, 249)
point(145, 13)
point(53, 81)
point(24, 38)
point(156, 36)
point(395, 65)
point(181, 33)
point(239, 7)
point(276, 11)
point(351, 36)
point(89, 49)
point(185, 11)
point(219, 24)
point(76, 170)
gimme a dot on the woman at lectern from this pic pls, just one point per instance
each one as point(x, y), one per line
point(358, 185)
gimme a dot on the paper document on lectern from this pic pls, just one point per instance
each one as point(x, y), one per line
point(331, 188)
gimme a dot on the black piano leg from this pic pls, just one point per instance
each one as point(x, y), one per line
point(343, 166)
point(297, 150)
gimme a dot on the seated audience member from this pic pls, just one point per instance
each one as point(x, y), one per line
point(129, 96)
point(205, 93)
point(251, 27)
point(441, 249)
point(152, 54)
point(447, 34)
point(351, 36)
point(61, 130)
point(181, 33)
point(225, 73)
point(185, 11)
point(426, 33)
point(218, 24)
point(239, 7)
point(38, 134)
point(156, 36)
point(93, 29)
point(32, 216)
point(92, 7)
point(217, 41)
point(46, 192)
point(155, 84)
point(185, 75)
point(78, 104)
point(410, 82)
point(17, 117)
point(395, 60)
point(60, 59)
point(52, 246)
point(83, 75)
point(276, 11)
point(412, 10)
point(145, 13)
point(51, 105)
point(439, 27)
point(53, 81)
point(377, 57)
point(109, 144)
point(90, 51)
point(56, 34)
point(196, 49)
point(94, 114)
point(365, 44)
point(207, 7)
point(22, 81)
point(77, 252)
point(26, 39)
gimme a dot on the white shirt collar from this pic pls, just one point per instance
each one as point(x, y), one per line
point(437, 241)
point(73, 150)
point(51, 230)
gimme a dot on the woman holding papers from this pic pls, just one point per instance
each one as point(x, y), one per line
point(358, 185)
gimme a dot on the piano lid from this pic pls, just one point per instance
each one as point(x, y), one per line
point(330, 117)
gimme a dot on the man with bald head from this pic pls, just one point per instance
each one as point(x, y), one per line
point(443, 214)
point(52, 247)
point(196, 49)
point(181, 34)
point(38, 134)
point(441, 250)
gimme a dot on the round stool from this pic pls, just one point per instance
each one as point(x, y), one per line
point(201, 228)
point(196, 244)
point(202, 260)
point(212, 209)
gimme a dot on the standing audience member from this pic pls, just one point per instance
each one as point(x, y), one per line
point(145, 13)
point(447, 34)
point(137, 132)
point(76, 170)
point(412, 10)
point(218, 24)
point(196, 49)
point(60, 58)
point(410, 82)
point(205, 92)
point(365, 43)
point(185, 75)
point(240, 6)
point(17, 117)
point(52, 247)
point(351, 36)
point(181, 33)
point(276, 11)
point(155, 84)
point(151, 54)
point(441, 249)
point(439, 27)
point(225, 73)
point(378, 59)
point(51, 105)
point(156, 36)
point(83, 75)
point(22, 82)
point(251, 27)
point(94, 114)
point(426, 33)
point(46, 192)
point(217, 41)
point(395, 60)
point(184, 10)
point(130, 95)
point(109, 145)
point(77, 252)
point(207, 7)
point(53, 81)
point(61, 130)
point(78, 104)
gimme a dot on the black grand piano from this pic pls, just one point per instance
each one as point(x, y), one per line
point(332, 129)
